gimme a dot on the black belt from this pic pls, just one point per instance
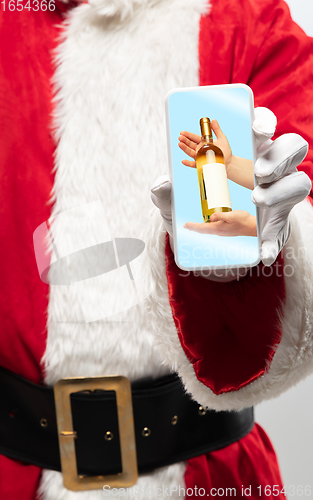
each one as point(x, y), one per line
point(169, 426)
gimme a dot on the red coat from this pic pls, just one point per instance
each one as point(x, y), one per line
point(253, 42)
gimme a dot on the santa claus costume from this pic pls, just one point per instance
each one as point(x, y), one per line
point(101, 139)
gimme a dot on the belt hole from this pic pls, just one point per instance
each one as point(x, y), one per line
point(174, 420)
point(108, 436)
point(43, 422)
point(146, 431)
point(202, 410)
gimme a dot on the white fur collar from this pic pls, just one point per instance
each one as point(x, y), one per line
point(117, 8)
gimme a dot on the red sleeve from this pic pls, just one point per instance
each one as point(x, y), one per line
point(257, 43)
point(229, 331)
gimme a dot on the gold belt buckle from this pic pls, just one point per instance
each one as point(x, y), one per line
point(62, 391)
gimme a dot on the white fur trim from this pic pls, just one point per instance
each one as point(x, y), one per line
point(121, 8)
point(148, 486)
point(293, 359)
point(111, 82)
point(116, 8)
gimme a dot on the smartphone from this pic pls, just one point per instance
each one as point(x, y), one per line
point(210, 188)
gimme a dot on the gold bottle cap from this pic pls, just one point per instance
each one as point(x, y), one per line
point(205, 126)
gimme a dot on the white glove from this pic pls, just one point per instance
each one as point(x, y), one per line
point(280, 186)
point(161, 193)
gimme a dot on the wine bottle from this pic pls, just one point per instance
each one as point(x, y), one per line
point(212, 176)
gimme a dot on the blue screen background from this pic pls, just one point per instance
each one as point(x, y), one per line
point(232, 108)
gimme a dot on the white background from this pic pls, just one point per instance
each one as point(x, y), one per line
point(288, 420)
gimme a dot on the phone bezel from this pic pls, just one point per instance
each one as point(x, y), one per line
point(170, 159)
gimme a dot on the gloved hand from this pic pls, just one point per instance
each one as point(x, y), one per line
point(279, 185)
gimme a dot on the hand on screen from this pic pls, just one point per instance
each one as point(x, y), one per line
point(239, 170)
point(235, 223)
point(190, 144)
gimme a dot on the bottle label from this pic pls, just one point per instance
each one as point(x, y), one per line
point(216, 185)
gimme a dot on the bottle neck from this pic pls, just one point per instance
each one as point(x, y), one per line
point(207, 139)
point(206, 131)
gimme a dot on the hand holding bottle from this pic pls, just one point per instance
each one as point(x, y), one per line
point(235, 223)
point(280, 186)
point(190, 144)
point(239, 170)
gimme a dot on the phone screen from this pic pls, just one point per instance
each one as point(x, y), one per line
point(213, 187)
